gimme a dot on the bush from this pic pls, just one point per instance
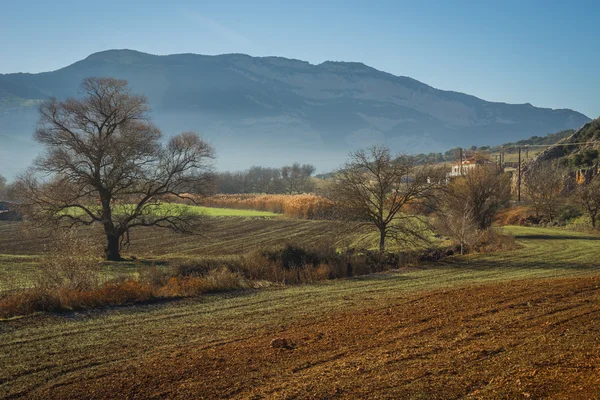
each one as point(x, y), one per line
point(494, 240)
point(110, 294)
point(218, 280)
point(567, 213)
point(520, 215)
point(293, 264)
point(66, 298)
point(68, 288)
point(294, 256)
point(153, 275)
point(72, 261)
point(28, 301)
point(434, 254)
point(202, 266)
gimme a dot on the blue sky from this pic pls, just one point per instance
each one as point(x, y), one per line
point(543, 52)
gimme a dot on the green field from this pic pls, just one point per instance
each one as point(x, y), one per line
point(227, 236)
point(21, 250)
point(233, 236)
point(66, 347)
point(229, 212)
point(217, 212)
point(194, 209)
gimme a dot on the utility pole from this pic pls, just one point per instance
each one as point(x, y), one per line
point(519, 179)
point(461, 160)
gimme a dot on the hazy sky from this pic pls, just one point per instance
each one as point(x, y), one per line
point(543, 52)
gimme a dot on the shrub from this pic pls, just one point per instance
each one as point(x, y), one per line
point(110, 294)
point(520, 215)
point(28, 301)
point(494, 240)
point(568, 212)
point(153, 275)
point(218, 280)
point(293, 256)
point(202, 266)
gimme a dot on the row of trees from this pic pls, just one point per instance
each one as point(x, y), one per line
point(289, 179)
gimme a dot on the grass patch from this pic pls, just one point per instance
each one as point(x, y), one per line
point(164, 208)
point(229, 212)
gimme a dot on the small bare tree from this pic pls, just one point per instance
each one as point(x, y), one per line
point(544, 183)
point(471, 202)
point(459, 224)
point(377, 188)
point(104, 163)
point(588, 196)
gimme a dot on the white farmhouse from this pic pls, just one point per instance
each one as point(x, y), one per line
point(461, 169)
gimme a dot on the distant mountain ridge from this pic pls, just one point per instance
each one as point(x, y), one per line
point(243, 103)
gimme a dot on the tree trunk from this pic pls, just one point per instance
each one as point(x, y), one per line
point(381, 240)
point(593, 218)
point(112, 247)
point(112, 234)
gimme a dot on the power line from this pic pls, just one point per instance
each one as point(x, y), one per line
point(550, 145)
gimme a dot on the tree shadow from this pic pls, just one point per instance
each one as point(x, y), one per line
point(556, 237)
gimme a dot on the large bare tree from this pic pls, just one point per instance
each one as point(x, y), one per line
point(104, 163)
point(378, 188)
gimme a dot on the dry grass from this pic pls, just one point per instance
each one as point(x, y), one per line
point(219, 280)
point(32, 300)
point(519, 215)
point(305, 206)
point(118, 292)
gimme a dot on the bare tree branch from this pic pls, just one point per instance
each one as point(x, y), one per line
point(104, 162)
point(377, 188)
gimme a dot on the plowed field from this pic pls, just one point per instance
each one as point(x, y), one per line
point(522, 324)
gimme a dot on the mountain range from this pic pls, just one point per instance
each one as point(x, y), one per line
point(273, 110)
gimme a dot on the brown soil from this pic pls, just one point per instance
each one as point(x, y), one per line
point(525, 339)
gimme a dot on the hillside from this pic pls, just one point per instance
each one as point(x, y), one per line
point(270, 109)
point(582, 153)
